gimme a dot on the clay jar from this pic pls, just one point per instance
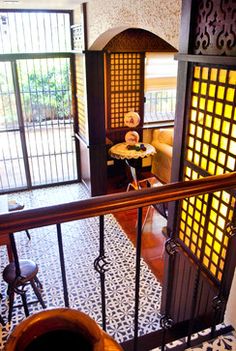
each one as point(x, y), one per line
point(60, 329)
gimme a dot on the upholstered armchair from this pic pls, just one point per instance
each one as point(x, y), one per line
point(162, 140)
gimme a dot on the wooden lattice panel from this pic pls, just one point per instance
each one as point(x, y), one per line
point(210, 150)
point(81, 96)
point(125, 87)
point(211, 142)
point(203, 232)
point(216, 244)
point(192, 223)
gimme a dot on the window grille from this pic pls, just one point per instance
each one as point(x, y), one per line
point(160, 87)
point(160, 105)
point(30, 32)
point(36, 111)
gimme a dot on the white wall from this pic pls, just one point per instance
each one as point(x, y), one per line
point(107, 18)
point(230, 315)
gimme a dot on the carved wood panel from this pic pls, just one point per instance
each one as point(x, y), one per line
point(137, 40)
point(214, 29)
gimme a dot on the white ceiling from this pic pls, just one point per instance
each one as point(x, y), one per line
point(40, 4)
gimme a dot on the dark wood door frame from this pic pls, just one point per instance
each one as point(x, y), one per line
point(96, 148)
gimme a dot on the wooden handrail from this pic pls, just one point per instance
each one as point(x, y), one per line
point(101, 205)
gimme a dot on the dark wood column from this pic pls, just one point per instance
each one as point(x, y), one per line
point(96, 148)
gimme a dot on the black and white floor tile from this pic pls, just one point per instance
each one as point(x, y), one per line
point(223, 342)
point(80, 240)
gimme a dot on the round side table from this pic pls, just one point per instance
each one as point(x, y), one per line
point(121, 151)
point(132, 157)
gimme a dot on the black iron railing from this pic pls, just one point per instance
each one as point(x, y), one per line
point(100, 206)
point(160, 105)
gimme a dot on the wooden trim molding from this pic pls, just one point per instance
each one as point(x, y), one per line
point(101, 205)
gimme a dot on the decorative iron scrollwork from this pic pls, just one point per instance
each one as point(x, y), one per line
point(215, 28)
point(171, 247)
point(230, 229)
point(218, 303)
point(100, 264)
point(166, 322)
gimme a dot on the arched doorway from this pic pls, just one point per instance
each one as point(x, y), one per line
point(115, 85)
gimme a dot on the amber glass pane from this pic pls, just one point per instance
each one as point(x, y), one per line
point(212, 108)
point(210, 150)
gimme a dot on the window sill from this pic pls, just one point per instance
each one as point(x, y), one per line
point(158, 125)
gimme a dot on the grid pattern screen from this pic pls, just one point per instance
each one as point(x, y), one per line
point(125, 75)
point(81, 96)
point(210, 150)
point(192, 223)
point(203, 221)
point(211, 143)
point(216, 244)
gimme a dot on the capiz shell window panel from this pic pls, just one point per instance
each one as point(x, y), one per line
point(210, 150)
point(125, 80)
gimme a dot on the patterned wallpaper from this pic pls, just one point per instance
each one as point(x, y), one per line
point(107, 18)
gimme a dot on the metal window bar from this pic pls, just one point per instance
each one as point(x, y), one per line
point(21, 122)
point(160, 105)
point(11, 152)
point(34, 31)
point(42, 31)
point(60, 154)
point(28, 105)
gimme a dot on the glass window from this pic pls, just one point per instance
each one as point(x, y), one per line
point(30, 32)
point(160, 87)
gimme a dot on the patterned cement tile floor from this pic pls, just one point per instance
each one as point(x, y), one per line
point(81, 247)
point(221, 343)
point(80, 239)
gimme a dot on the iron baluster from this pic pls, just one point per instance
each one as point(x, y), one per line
point(137, 276)
point(62, 263)
point(171, 247)
point(166, 322)
point(22, 292)
point(100, 266)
